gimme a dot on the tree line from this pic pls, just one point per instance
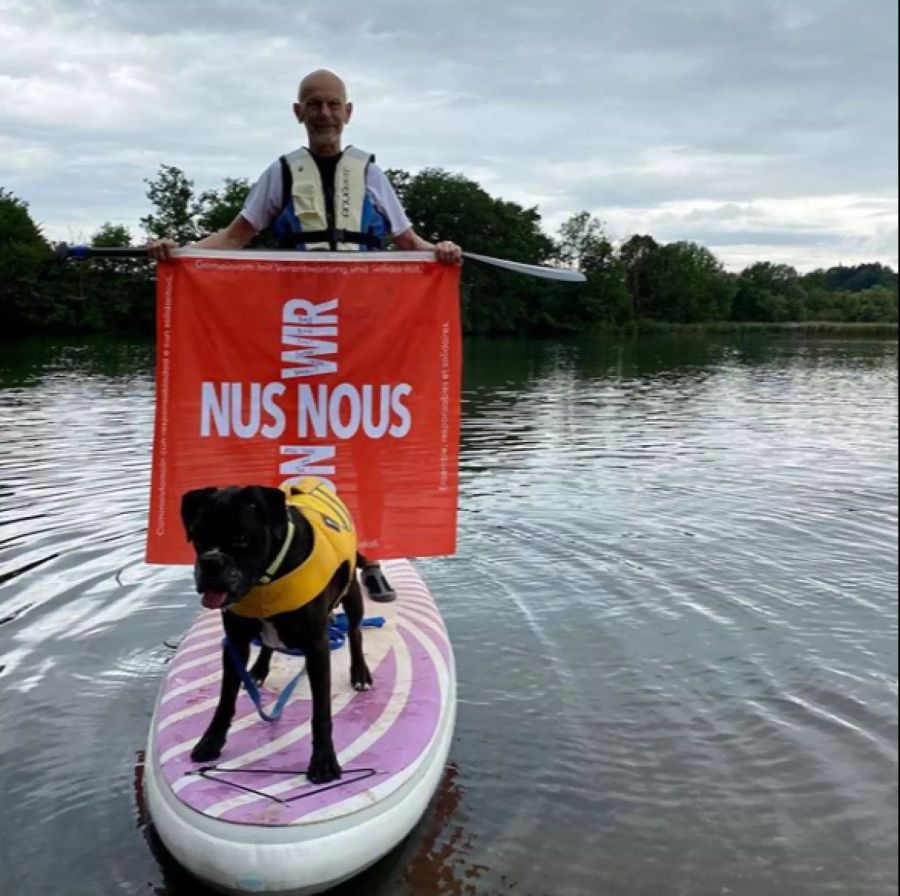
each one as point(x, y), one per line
point(636, 281)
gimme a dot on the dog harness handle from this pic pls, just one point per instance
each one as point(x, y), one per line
point(253, 690)
point(337, 635)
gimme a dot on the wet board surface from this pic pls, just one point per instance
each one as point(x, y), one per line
point(384, 733)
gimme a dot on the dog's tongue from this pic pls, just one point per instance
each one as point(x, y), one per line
point(213, 600)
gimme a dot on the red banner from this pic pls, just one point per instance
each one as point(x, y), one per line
point(270, 369)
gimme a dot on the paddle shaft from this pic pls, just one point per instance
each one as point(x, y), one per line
point(83, 253)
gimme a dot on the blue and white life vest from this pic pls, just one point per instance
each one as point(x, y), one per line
point(304, 220)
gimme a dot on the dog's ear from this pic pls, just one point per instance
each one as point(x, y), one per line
point(270, 501)
point(191, 504)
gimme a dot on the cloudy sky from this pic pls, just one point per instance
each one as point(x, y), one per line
point(763, 130)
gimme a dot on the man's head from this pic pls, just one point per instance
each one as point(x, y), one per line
point(322, 108)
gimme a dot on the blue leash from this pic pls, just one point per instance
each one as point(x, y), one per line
point(337, 635)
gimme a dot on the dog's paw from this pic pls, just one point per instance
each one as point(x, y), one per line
point(360, 677)
point(323, 767)
point(206, 750)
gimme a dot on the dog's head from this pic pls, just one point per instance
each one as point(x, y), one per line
point(236, 533)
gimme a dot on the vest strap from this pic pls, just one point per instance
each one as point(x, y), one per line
point(335, 235)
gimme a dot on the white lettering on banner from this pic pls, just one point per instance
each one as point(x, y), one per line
point(346, 410)
point(345, 429)
point(342, 411)
point(222, 405)
point(402, 429)
point(308, 462)
point(312, 410)
point(304, 325)
point(210, 405)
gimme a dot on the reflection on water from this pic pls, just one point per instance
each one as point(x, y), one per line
point(444, 846)
point(673, 610)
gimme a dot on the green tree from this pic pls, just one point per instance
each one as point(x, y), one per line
point(857, 278)
point(583, 244)
point(678, 282)
point(176, 209)
point(859, 293)
point(24, 255)
point(112, 236)
point(686, 283)
point(769, 292)
point(400, 181)
point(636, 255)
point(877, 304)
point(581, 239)
point(216, 209)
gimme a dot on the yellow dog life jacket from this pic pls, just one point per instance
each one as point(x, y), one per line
point(334, 543)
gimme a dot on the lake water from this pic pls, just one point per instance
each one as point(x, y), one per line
point(674, 612)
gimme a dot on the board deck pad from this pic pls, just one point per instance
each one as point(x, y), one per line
point(381, 736)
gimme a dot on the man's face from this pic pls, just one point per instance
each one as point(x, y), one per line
point(323, 109)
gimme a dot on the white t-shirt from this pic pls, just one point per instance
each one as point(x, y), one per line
point(264, 202)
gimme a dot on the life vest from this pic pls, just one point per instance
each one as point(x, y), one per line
point(304, 222)
point(334, 543)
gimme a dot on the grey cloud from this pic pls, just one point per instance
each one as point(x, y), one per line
point(724, 238)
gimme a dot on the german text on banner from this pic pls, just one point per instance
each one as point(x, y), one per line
point(270, 369)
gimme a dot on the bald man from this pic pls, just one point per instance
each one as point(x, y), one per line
point(302, 196)
point(324, 197)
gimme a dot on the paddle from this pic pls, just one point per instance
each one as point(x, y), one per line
point(533, 270)
point(82, 253)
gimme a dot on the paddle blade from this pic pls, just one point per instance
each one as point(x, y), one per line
point(532, 270)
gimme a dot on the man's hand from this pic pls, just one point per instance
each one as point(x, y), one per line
point(445, 252)
point(161, 250)
point(448, 253)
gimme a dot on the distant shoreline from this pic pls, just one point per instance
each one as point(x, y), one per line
point(803, 328)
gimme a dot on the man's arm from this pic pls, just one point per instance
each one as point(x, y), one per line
point(235, 236)
point(445, 252)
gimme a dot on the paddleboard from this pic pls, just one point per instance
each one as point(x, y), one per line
point(252, 823)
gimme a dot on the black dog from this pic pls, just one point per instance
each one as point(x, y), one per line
point(239, 534)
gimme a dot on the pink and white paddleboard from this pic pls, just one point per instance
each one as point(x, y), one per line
point(254, 824)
